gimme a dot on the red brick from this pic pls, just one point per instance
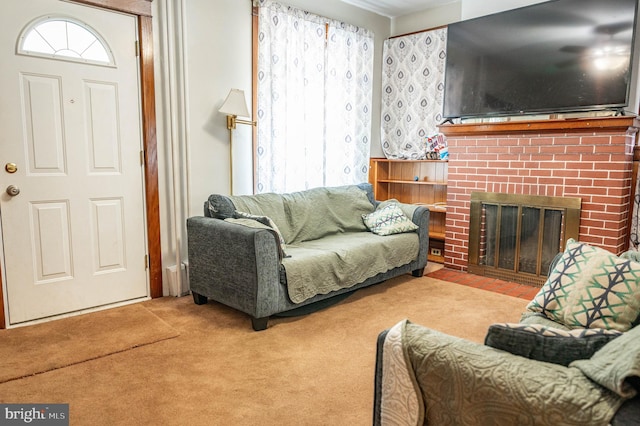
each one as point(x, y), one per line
point(589, 206)
point(599, 159)
point(619, 175)
point(568, 140)
point(477, 150)
point(610, 244)
point(596, 140)
point(479, 164)
point(543, 157)
point(583, 165)
point(567, 173)
point(604, 216)
point(611, 149)
point(592, 240)
point(568, 158)
point(553, 165)
point(570, 191)
point(551, 181)
point(590, 223)
point(620, 140)
point(616, 208)
point(595, 174)
point(618, 192)
point(580, 149)
point(542, 141)
point(554, 149)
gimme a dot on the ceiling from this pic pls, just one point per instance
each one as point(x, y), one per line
point(395, 8)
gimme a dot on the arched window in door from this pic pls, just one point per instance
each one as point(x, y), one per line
point(64, 38)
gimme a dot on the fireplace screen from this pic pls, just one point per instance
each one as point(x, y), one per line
point(515, 237)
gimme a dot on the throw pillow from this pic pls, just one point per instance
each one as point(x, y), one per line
point(387, 220)
point(617, 365)
point(590, 288)
point(631, 255)
point(219, 206)
point(265, 220)
point(548, 344)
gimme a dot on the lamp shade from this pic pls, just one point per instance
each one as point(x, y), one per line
point(235, 104)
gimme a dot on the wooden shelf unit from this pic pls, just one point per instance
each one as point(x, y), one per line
point(416, 182)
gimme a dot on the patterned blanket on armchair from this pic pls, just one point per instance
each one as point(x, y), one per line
point(427, 377)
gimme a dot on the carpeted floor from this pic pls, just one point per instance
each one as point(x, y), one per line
point(310, 370)
point(57, 344)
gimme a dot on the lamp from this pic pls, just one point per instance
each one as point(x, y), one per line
point(235, 105)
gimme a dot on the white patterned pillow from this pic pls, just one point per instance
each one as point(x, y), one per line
point(388, 219)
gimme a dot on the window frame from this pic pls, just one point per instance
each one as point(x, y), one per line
point(33, 26)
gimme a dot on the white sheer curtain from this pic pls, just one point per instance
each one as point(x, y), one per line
point(314, 100)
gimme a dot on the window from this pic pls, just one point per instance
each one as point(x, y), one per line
point(314, 100)
point(64, 38)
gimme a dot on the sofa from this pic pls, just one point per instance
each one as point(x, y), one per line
point(285, 254)
point(572, 359)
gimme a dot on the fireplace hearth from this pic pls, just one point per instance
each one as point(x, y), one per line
point(515, 237)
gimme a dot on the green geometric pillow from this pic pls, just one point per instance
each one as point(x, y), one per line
point(591, 288)
point(388, 219)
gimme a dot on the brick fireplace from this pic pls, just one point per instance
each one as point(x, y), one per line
point(587, 158)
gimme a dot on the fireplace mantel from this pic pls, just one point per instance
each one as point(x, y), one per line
point(577, 125)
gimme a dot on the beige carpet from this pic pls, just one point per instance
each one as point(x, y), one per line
point(312, 370)
point(35, 349)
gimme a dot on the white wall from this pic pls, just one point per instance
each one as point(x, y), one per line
point(473, 8)
point(453, 12)
point(427, 19)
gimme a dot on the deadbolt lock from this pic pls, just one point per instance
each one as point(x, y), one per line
point(11, 167)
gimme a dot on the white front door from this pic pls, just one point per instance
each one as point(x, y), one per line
point(74, 236)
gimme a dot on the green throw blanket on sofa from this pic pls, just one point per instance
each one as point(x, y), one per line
point(349, 259)
point(326, 224)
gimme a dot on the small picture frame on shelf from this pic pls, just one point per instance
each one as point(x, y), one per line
point(432, 155)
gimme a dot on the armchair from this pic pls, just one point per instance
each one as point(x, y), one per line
point(427, 377)
point(574, 358)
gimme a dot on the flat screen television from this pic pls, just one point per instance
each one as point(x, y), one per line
point(552, 57)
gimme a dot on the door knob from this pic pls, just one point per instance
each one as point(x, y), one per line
point(13, 190)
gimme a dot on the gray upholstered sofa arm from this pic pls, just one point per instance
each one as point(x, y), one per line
point(249, 273)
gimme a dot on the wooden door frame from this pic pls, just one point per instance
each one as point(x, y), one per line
point(142, 10)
